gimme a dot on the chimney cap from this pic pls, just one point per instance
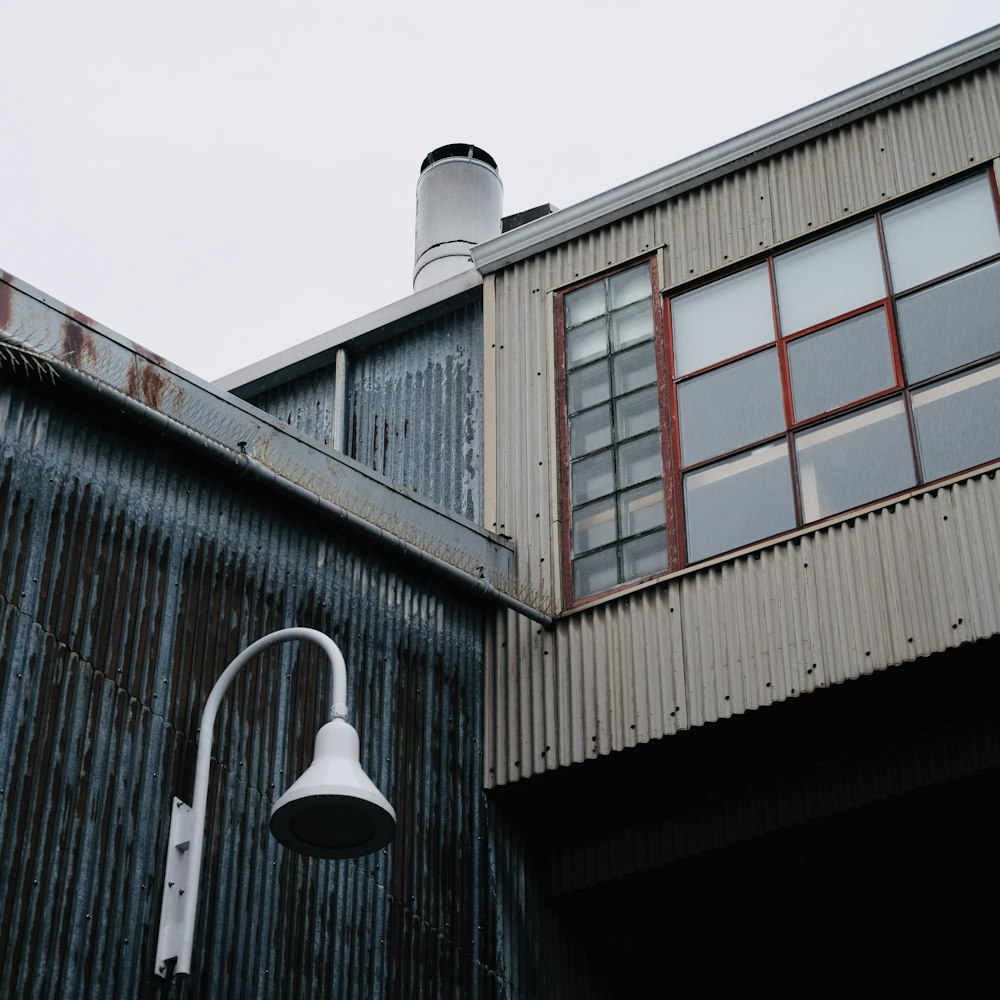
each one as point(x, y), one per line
point(463, 149)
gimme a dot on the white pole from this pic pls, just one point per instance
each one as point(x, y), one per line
point(180, 893)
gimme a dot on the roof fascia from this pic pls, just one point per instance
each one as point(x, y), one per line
point(382, 324)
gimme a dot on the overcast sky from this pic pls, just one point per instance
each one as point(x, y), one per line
point(220, 179)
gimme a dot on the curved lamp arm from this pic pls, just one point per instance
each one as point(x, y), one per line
point(187, 823)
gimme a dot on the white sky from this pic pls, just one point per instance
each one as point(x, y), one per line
point(221, 179)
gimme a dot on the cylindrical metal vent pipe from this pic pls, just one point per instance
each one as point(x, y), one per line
point(459, 204)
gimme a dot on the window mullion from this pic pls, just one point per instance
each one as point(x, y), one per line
point(673, 497)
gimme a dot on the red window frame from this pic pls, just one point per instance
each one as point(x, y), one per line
point(667, 383)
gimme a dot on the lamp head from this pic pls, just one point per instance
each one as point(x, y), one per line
point(334, 810)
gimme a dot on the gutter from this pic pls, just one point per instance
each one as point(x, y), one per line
point(43, 364)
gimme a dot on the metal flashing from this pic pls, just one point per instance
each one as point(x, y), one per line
point(383, 323)
point(250, 442)
point(757, 144)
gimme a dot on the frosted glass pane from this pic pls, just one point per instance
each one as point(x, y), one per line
point(592, 477)
point(958, 422)
point(829, 277)
point(848, 462)
point(631, 325)
point(941, 232)
point(587, 387)
point(637, 413)
point(634, 369)
point(641, 509)
point(730, 407)
point(584, 304)
point(840, 364)
point(644, 556)
point(950, 324)
point(738, 501)
point(724, 318)
point(640, 459)
point(589, 431)
point(587, 342)
point(594, 525)
point(595, 573)
point(630, 286)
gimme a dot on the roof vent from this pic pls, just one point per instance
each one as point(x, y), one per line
point(459, 204)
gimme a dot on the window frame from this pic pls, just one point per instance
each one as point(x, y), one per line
point(667, 383)
point(563, 430)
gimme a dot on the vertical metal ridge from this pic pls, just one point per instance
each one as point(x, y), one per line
point(850, 598)
point(416, 410)
point(113, 541)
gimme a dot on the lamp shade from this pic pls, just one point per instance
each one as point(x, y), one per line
point(334, 810)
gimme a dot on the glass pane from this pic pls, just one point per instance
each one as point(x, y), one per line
point(634, 369)
point(637, 413)
point(958, 422)
point(842, 363)
point(640, 459)
point(630, 286)
point(724, 318)
point(584, 304)
point(592, 478)
point(847, 462)
point(950, 324)
point(829, 277)
point(730, 407)
point(641, 509)
point(589, 431)
point(941, 232)
point(594, 525)
point(587, 342)
point(587, 387)
point(644, 556)
point(738, 501)
point(595, 573)
point(631, 325)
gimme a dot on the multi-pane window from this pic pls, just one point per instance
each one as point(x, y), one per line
point(613, 428)
point(854, 367)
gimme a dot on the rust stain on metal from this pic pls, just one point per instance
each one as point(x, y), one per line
point(147, 383)
point(81, 318)
point(6, 305)
point(152, 385)
point(77, 344)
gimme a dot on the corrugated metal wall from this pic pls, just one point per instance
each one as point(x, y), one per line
point(414, 409)
point(846, 600)
point(626, 671)
point(307, 403)
point(132, 571)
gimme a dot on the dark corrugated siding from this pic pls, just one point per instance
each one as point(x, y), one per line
point(132, 571)
point(414, 409)
point(307, 403)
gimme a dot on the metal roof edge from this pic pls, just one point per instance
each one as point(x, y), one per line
point(313, 353)
point(765, 140)
point(49, 340)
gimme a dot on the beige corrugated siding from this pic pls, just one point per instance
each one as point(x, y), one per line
point(747, 632)
point(878, 589)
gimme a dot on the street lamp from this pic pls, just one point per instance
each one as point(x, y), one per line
point(333, 811)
